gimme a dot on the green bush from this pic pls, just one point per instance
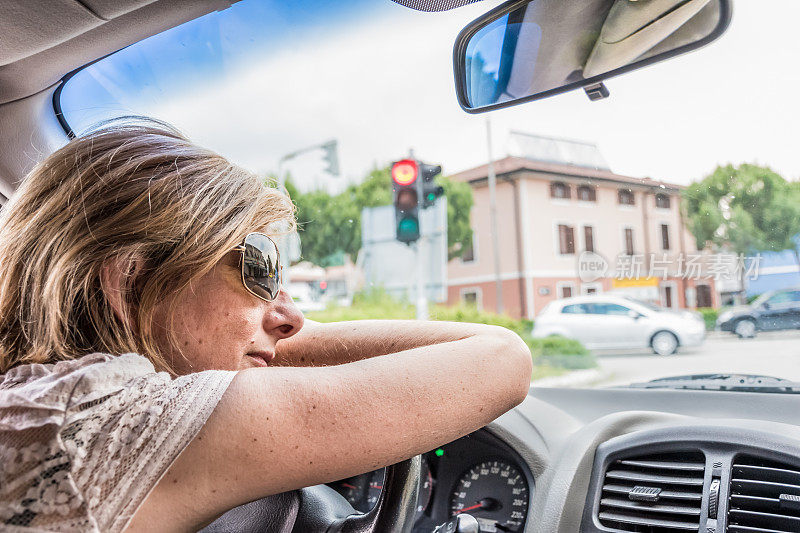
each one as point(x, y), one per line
point(556, 345)
point(560, 352)
point(709, 316)
point(372, 304)
point(470, 313)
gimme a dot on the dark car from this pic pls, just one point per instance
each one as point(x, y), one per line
point(771, 311)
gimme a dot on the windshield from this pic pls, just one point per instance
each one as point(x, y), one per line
point(678, 192)
point(647, 305)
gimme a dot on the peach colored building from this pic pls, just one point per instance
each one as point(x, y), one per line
point(549, 213)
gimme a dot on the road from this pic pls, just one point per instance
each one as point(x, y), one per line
point(773, 354)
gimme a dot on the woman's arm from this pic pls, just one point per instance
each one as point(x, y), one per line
point(278, 429)
point(324, 344)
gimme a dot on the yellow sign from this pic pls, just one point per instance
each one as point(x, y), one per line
point(620, 283)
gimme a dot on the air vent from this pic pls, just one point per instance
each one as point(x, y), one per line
point(653, 493)
point(765, 497)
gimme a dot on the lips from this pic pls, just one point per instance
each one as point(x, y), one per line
point(261, 358)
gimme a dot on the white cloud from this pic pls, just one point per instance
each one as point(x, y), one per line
point(386, 87)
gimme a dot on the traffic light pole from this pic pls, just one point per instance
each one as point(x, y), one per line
point(422, 301)
point(422, 298)
point(413, 190)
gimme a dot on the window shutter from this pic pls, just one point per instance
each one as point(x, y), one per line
point(664, 237)
point(588, 238)
point(628, 241)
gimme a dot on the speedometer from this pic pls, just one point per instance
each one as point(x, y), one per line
point(495, 493)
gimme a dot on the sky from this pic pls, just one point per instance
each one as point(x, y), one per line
point(378, 78)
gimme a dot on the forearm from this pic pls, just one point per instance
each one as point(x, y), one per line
point(344, 342)
point(321, 424)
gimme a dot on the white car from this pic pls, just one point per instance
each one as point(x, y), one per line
point(614, 322)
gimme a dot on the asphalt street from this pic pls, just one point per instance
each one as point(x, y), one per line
point(773, 354)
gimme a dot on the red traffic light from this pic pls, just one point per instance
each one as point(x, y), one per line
point(405, 172)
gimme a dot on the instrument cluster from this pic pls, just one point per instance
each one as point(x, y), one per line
point(477, 474)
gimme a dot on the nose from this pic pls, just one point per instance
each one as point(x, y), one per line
point(282, 319)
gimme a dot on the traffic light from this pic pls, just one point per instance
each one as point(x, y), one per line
point(331, 157)
point(406, 193)
point(429, 190)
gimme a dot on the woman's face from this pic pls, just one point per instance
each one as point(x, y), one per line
point(218, 324)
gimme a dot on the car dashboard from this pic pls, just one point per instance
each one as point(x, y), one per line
point(477, 474)
point(617, 460)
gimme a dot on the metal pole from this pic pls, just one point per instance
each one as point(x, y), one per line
point(493, 219)
point(422, 298)
point(281, 176)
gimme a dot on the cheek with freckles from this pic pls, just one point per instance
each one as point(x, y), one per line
point(214, 324)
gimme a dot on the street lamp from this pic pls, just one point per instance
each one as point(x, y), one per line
point(330, 156)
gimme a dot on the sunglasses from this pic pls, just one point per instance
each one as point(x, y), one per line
point(261, 266)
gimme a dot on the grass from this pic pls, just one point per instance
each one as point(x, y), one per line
point(547, 371)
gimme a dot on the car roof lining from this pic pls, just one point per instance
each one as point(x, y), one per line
point(45, 39)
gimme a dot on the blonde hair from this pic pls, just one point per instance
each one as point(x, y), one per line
point(134, 191)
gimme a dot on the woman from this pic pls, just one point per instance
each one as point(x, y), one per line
point(155, 374)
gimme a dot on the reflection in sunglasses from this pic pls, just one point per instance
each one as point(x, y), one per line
point(260, 266)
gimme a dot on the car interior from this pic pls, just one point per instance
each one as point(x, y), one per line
point(719, 455)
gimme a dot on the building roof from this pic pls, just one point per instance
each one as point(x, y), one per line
point(508, 166)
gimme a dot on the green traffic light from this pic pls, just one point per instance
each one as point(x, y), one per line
point(408, 226)
point(431, 196)
point(439, 452)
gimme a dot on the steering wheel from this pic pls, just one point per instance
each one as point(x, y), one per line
point(320, 509)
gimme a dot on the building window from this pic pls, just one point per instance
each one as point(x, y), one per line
point(628, 241)
point(468, 256)
point(565, 289)
point(566, 239)
point(662, 201)
point(704, 296)
point(591, 288)
point(472, 297)
point(668, 299)
point(626, 197)
point(587, 193)
point(664, 236)
point(588, 238)
point(560, 190)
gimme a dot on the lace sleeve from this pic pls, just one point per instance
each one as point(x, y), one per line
point(121, 442)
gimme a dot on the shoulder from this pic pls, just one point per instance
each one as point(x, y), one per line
point(48, 389)
point(111, 423)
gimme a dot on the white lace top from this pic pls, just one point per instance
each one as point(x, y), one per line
point(83, 442)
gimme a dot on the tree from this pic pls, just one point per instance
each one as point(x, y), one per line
point(459, 205)
point(781, 222)
point(330, 225)
point(746, 208)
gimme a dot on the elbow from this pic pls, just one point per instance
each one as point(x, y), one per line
point(514, 358)
point(523, 368)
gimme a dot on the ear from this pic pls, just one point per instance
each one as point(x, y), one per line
point(117, 276)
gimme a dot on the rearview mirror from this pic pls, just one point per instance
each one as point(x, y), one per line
point(530, 49)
